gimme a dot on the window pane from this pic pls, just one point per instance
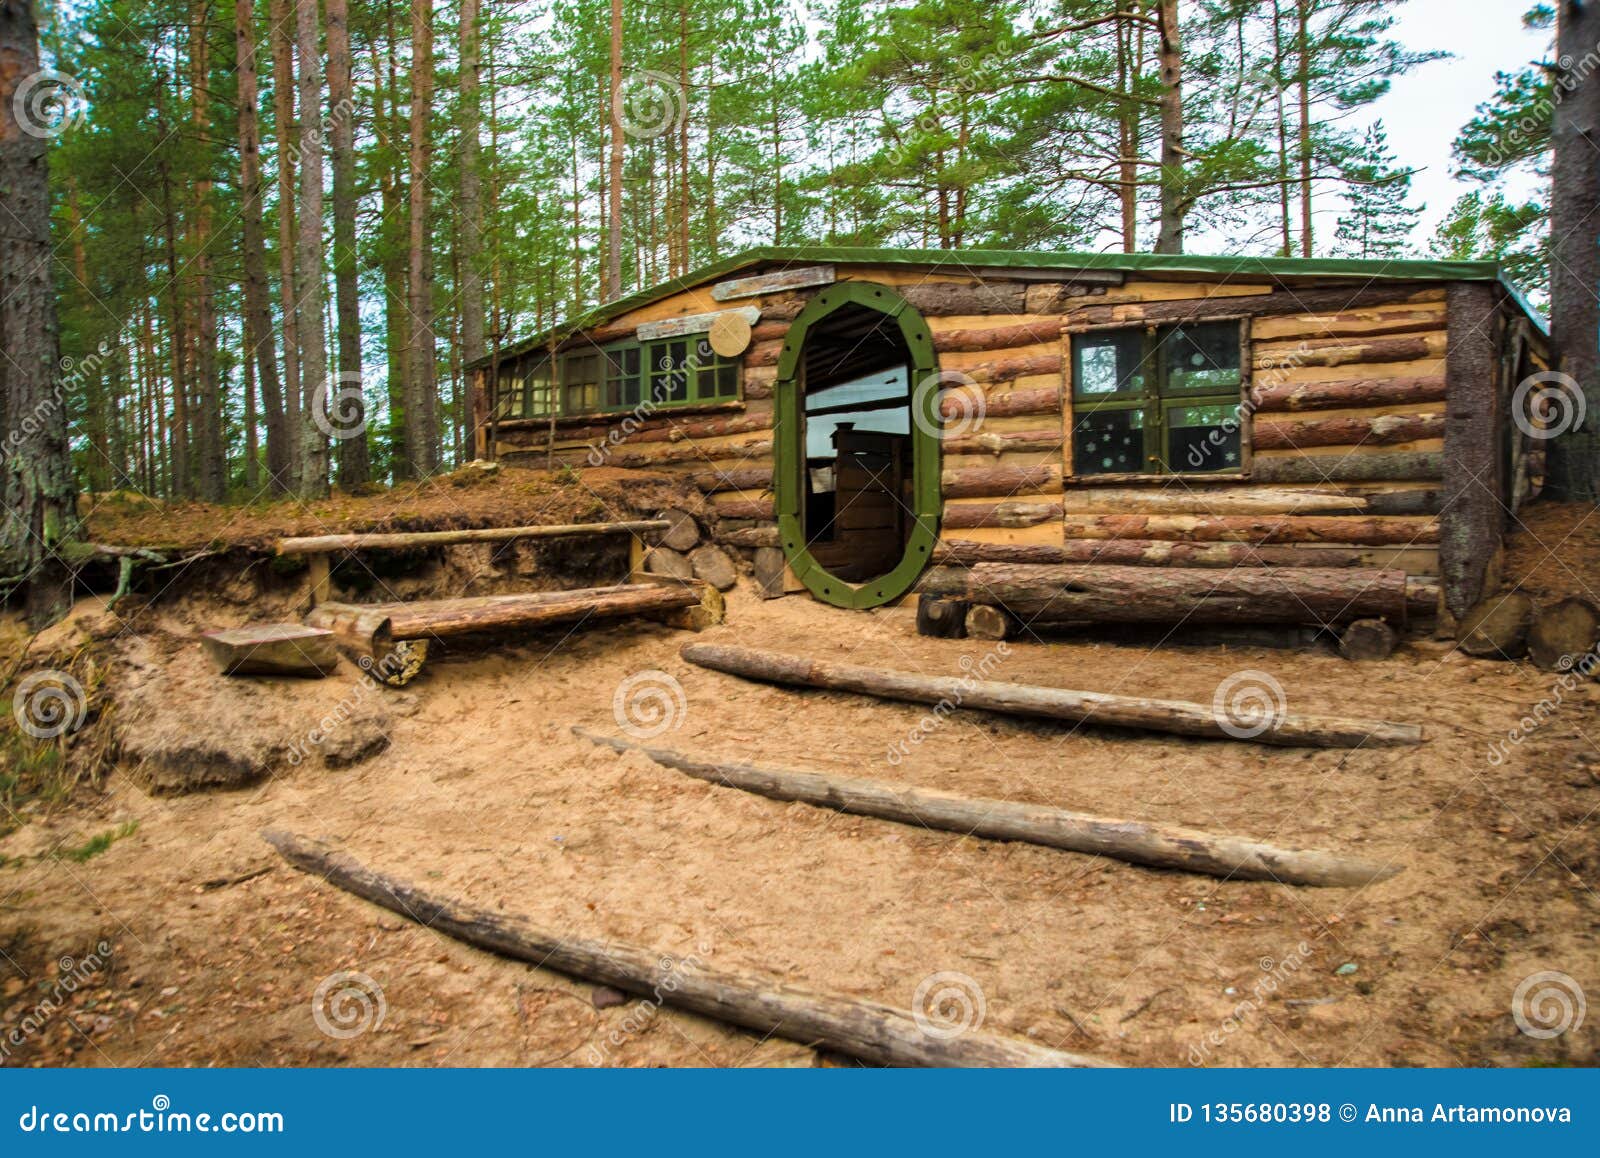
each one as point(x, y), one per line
point(1109, 442)
point(1202, 357)
point(1106, 364)
point(1203, 438)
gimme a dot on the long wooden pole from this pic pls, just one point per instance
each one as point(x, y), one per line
point(1272, 726)
point(321, 544)
point(1158, 845)
point(863, 1029)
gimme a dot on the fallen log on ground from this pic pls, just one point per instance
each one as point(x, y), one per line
point(1497, 626)
point(863, 1029)
point(1106, 593)
point(1181, 717)
point(1158, 845)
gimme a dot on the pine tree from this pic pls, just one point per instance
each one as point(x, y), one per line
point(1380, 218)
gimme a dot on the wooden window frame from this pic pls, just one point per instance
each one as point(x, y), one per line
point(1155, 402)
point(595, 381)
point(523, 393)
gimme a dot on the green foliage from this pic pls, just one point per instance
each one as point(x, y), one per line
point(1380, 218)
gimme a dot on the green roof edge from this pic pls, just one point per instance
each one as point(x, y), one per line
point(973, 259)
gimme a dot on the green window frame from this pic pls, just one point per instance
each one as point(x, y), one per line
point(582, 379)
point(1161, 400)
point(686, 371)
point(624, 376)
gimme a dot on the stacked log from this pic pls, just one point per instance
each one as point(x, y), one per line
point(1046, 594)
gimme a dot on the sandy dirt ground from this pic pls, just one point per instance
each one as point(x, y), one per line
point(188, 942)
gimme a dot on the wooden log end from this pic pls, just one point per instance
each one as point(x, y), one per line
point(1368, 639)
point(1497, 627)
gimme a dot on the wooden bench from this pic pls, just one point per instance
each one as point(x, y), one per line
point(320, 547)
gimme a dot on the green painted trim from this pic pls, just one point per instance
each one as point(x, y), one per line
point(971, 260)
point(789, 453)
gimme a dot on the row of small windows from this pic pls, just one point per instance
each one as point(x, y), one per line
point(670, 372)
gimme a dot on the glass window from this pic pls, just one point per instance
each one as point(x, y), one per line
point(688, 370)
point(580, 382)
point(539, 398)
point(1158, 400)
point(524, 392)
point(622, 376)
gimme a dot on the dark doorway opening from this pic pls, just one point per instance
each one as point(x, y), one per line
point(859, 500)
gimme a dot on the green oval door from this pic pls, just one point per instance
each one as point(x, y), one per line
point(835, 332)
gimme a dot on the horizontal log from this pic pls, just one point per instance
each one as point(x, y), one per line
point(732, 479)
point(1391, 466)
point(751, 537)
point(970, 482)
point(763, 510)
point(1105, 593)
point(958, 404)
point(936, 299)
point(665, 453)
point(767, 1006)
point(1351, 394)
point(1000, 514)
point(1353, 351)
point(1283, 301)
point(1401, 319)
point(447, 618)
point(1180, 717)
point(764, 353)
point(996, 443)
point(1152, 553)
point(997, 337)
point(1010, 369)
point(1135, 841)
point(1376, 430)
point(1360, 530)
point(1057, 297)
point(678, 431)
point(1249, 500)
point(408, 540)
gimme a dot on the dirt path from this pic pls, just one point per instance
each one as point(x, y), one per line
point(484, 791)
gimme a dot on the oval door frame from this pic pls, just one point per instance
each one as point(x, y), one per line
point(789, 450)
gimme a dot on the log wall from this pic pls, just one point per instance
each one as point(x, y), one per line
point(1345, 424)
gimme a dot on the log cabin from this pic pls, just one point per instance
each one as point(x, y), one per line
point(1068, 436)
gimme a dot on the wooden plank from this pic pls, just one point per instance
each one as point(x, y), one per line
point(1351, 351)
point(1338, 394)
point(1373, 430)
point(800, 277)
point(1276, 302)
point(999, 514)
point(692, 323)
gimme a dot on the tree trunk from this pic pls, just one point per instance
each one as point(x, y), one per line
point(211, 448)
point(1217, 721)
point(1134, 841)
point(862, 1029)
point(1174, 193)
point(281, 18)
point(421, 437)
point(1574, 458)
point(36, 471)
point(1303, 82)
point(470, 221)
point(318, 390)
point(614, 192)
point(257, 300)
point(346, 406)
point(392, 191)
